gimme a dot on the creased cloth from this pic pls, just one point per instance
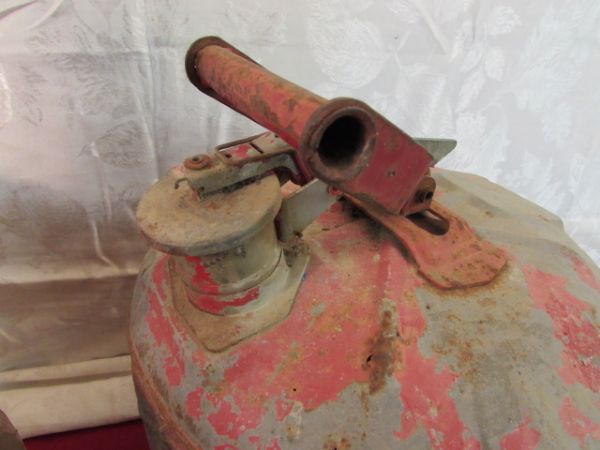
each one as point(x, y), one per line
point(51, 399)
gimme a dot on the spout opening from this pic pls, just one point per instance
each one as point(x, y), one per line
point(342, 142)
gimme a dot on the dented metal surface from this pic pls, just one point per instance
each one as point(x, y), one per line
point(373, 356)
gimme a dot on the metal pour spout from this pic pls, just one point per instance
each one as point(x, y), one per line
point(342, 141)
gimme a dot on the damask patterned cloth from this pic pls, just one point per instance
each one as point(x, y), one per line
point(95, 106)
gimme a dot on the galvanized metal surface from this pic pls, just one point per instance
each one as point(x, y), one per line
point(371, 356)
point(342, 141)
point(437, 148)
point(225, 282)
point(301, 208)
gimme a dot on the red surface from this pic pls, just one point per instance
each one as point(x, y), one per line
point(393, 171)
point(122, 436)
point(572, 326)
point(210, 300)
point(523, 438)
point(314, 367)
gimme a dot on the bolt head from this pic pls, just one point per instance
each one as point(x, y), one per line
point(197, 162)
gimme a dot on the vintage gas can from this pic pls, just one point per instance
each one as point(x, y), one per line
point(452, 314)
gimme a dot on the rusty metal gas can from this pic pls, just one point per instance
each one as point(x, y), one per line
point(322, 286)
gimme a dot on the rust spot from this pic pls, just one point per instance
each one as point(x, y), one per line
point(364, 399)
point(461, 348)
point(292, 431)
point(380, 361)
point(492, 289)
point(333, 444)
point(487, 302)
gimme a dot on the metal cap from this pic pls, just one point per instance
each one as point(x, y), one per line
point(177, 221)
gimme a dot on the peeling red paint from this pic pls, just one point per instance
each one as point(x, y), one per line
point(217, 304)
point(523, 438)
point(239, 151)
point(283, 408)
point(274, 445)
point(584, 272)
point(313, 367)
point(226, 447)
point(425, 390)
point(577, 424)
point(162, 328)
point(193, 403)
point(228, 423)
point(202, 279)
point(210, 299)
point(426, 396)
point(572, 327)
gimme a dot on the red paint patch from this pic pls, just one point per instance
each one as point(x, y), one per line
point(202, 279)
point(312, 358)
point(226, 447)
point(426, 396)
point(274, 445)
point(217, 304)
point(523, 438)
point(162, 328)
point(228, 423)
point(584, 272)
point(579, 336)
point(193, 403)
point(210, 300)
point(318, 364)
point(239, 151)
point(283, 408)
point(577, 424)
point(425, 391)
point(314, 366)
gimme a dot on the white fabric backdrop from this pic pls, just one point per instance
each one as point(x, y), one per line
point(95, 105)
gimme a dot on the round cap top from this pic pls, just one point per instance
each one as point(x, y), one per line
point(179, 222)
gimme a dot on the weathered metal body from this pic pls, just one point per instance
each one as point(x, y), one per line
point(372, 356)
point(329, 317)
